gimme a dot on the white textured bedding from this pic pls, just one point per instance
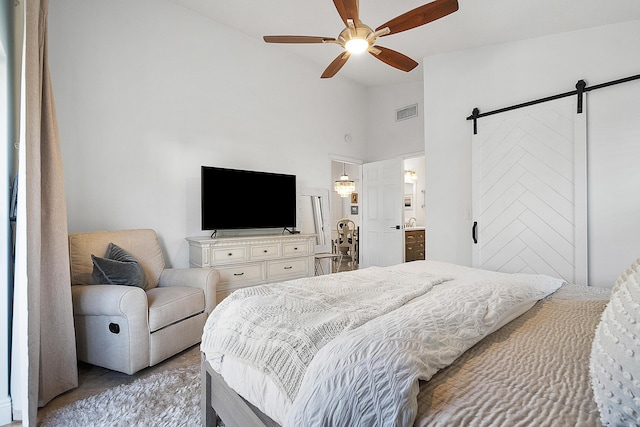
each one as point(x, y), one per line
point(368, 374)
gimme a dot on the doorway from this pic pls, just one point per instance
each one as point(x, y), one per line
point(414, 207)
point(414, 192)
point(346, 215)
point(413, 212)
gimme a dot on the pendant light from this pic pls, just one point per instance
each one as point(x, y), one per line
point(344, 187)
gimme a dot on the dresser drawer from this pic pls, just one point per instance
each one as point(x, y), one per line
point(287, 269)
point(264, 252)
point(228, 255)
point(293, 249)
point(244, 261)
point(241, 274)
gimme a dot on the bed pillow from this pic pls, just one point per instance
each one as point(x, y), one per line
point(615, 356)
point(118, 267)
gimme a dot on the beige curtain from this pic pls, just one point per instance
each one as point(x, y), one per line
point(51, 337)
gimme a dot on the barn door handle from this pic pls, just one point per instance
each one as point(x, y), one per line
point(474, 232)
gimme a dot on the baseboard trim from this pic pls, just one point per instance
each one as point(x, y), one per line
point(5, 410)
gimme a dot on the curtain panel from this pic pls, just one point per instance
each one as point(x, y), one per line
point(51, 337)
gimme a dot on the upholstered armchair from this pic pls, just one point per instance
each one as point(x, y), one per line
point(128, 328)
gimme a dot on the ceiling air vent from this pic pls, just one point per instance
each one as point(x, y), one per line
point(407, 112)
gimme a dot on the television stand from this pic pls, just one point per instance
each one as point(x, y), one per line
point(253, 260)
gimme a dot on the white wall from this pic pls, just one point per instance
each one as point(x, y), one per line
point(614, 181)
point(147, 92)
point(498, 76)
point(385, 137)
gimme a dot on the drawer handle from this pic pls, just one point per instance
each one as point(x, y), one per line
point(295, 249)
point(265, 251)
point(230, 254)
point(238, 274)
point(288, 268)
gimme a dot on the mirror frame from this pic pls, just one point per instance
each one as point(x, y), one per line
point(325, 217)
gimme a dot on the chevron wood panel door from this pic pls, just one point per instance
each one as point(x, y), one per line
point(529, 191)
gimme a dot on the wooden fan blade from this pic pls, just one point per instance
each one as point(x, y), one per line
point(348, 9)
point(335, 66)
point(420, 16)
point(297, 39)
point(395, 59)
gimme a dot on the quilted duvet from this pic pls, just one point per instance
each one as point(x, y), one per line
point(370, 374)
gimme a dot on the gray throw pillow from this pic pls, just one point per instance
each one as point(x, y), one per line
point(118, 267)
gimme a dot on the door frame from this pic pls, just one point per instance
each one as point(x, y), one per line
point(360, 163)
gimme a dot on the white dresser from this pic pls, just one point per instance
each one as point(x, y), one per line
point(254, 260)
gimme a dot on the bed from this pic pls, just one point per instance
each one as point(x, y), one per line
point(523, 363)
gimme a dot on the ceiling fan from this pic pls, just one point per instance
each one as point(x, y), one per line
point(358, 37)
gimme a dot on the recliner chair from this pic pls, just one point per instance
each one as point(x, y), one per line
point(128, 328)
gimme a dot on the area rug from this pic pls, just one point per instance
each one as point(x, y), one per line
point(168, 399)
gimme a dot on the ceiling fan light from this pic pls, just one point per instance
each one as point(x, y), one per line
point(356, 45)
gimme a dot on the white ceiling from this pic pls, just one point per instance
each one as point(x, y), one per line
point(476, 23)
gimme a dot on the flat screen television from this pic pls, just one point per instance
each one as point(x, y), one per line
point(241, 199)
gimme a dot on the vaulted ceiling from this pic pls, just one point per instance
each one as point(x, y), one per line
point(476, 23)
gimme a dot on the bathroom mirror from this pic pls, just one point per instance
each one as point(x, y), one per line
point(409, 200)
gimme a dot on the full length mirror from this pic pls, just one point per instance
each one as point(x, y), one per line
point(313, 216)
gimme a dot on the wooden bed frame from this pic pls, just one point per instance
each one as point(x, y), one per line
point(219, 402)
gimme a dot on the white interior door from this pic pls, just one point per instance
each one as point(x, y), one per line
point(529, 191)
point(381, 236)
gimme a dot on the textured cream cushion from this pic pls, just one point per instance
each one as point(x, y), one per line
point(615, 355)
point(631, 271)
point(142, 244)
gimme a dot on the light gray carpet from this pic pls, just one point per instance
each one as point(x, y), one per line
point(170, 398)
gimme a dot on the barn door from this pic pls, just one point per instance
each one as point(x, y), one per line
point(529, 191)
